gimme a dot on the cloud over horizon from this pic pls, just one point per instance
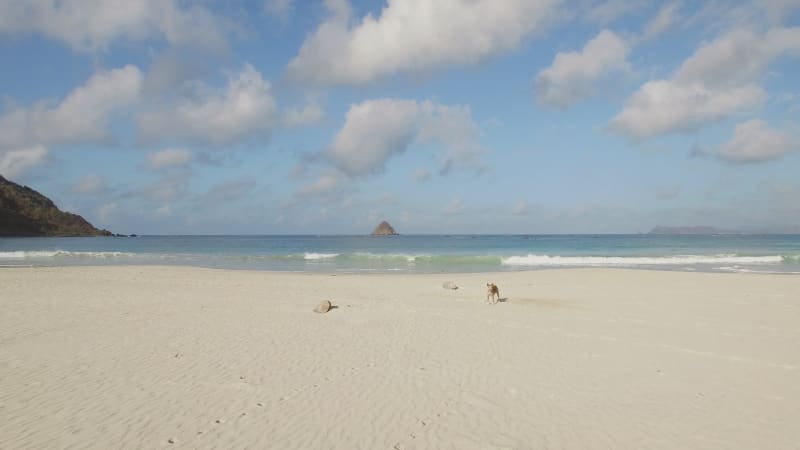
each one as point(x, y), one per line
point(533, 115)
point(721, 79)
point(414, 36)
point(572, 75)
point(243, 108)
point(93, 25)
point(376, 130)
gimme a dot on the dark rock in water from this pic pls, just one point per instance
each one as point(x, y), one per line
point(384, 229)
point(25, 212)
point(323, 307)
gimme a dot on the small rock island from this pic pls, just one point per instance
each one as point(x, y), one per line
point(384, 229)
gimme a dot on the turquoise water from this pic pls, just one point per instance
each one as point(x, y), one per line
point(417, 254)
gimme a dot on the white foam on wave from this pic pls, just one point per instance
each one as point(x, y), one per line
point(319, 256)
point(737, 269)
point(549, 261)
point(46, 254)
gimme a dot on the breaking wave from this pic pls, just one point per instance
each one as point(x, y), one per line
point(419, 262)
point(628, 261)
point(45, 254)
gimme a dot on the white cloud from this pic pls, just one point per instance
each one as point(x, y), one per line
point(309, 114)
point(663, 20)
point(15, 162)
point(169, 157)
point(82, 116)
point(717, 81)
point(572, 75)
point(90, 184)
point(755, 141)
point(244, 108)
point(741, 56)
point(414, 36)
point(91, 25)
point(662, 106)
point(376, 130)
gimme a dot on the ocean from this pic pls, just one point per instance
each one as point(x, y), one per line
point(417, 253)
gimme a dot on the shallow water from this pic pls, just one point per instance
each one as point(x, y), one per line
point(417, 253)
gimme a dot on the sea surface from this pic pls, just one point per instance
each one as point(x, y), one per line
point(417, 253)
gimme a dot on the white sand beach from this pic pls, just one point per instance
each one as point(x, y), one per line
point(136, 357)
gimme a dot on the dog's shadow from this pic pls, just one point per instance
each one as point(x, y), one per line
point(502, 300)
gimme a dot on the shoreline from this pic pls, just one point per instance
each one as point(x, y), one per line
point(136, 356)
point(403, 272)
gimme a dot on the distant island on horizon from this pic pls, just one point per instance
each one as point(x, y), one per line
point(696, 229)
point(384, 229)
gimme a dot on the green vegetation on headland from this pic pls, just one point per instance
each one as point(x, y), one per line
point(25, 212)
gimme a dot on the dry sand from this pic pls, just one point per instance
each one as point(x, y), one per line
point(133, 357)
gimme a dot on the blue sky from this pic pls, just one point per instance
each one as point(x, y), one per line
point(454, 116)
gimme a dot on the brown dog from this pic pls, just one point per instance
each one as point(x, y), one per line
point(492, 293)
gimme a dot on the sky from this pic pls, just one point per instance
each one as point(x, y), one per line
point(446, 116)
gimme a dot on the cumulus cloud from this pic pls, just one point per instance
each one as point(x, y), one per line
point(242, 109)
point(572, 75)
point(169, 157)
point(15, 162)
point(741, 56)
point(89, 185)
point(755, 141)
point(663, 106)
point(82, 116)
point(719, 80)
point(375, 130)
point(414, 36)
point(91, 25)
